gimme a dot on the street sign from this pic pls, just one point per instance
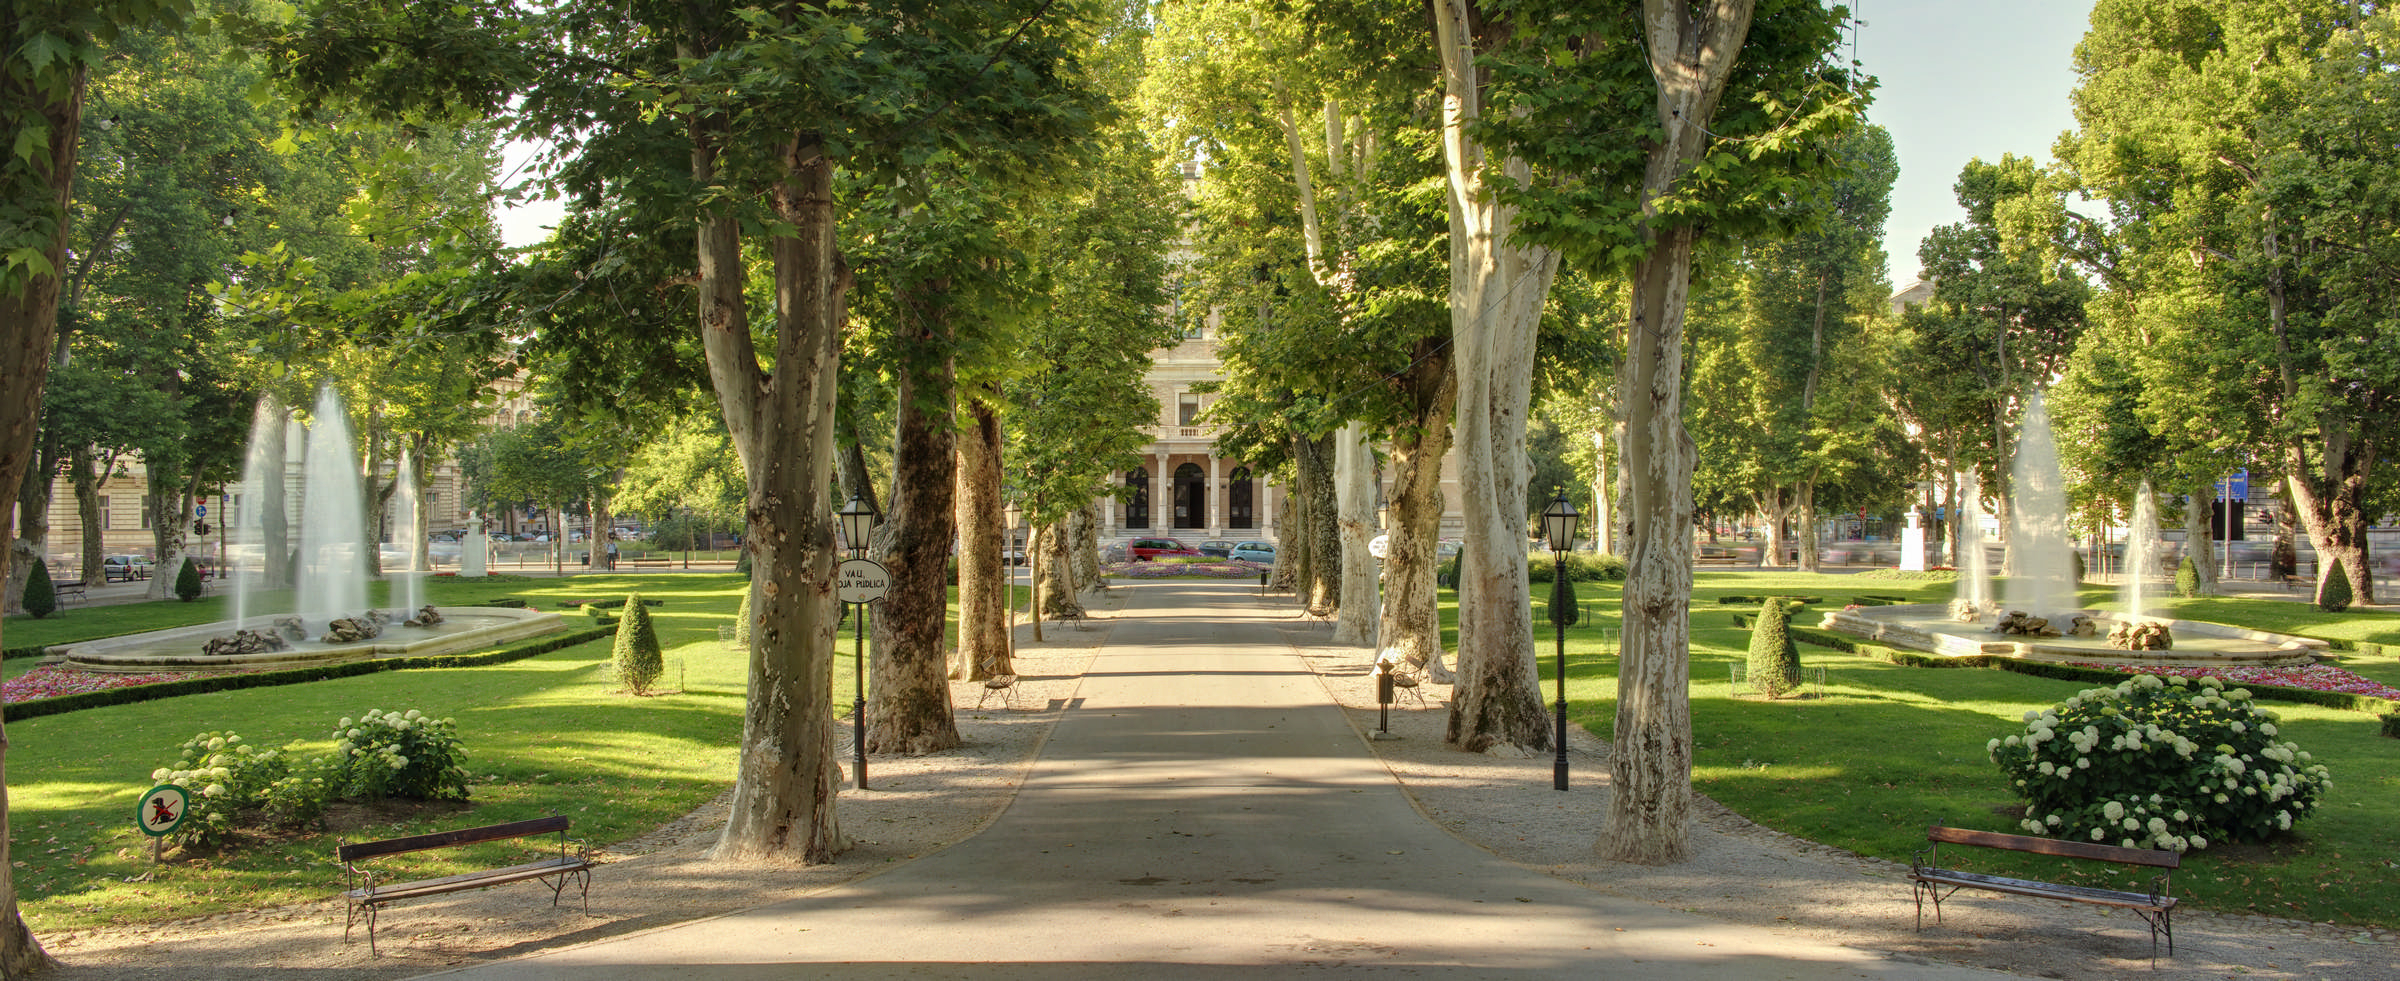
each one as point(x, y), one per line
point(1380, 547)
point(162, 809)
point(861, 581)
point(199, 510)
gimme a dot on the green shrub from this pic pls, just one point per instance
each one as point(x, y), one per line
point(2391, 724)
point(1581, 567)
point(741, 564)
point(221, 776)
point(187, 581)
point(2335, 597)
point(2079, 569)
point(1774, 660)
point(41, 598)
point(741, 620)
point(411, 756)
point(2155, 763)
point(1563, 611)
point(637, 657)
point(2187, 578)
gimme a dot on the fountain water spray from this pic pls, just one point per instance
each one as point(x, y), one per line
point(2042, 578)
point(2142, 552)
point(1974, 581)
point(333, 527)
point(405, 531)
point(259, 465)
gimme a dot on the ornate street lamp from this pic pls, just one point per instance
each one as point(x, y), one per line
point(1558, 525)
point(1015, 517)
point(858, 524)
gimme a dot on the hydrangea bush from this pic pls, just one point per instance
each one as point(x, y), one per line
point(2172, 763)
point(409, 755)
point(222, 776)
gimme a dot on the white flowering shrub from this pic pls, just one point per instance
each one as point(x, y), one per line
point(410, 755)
point(222, 776)
point(2167, 763)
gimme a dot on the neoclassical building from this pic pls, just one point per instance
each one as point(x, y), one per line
point(1183, 488)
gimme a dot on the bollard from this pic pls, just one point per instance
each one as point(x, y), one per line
point(1383, 698)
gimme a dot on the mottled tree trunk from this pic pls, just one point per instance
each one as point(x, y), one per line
point(2331, 503)
point(909, 710)
point(787, 771)
point(1805, 494)
point(274, 518)
point(983, 650)
point(1412, 622)
point(86, 482)
point(1321, 589)
point(1057, 587)
point(1354, 505)
point(1084, 548)
point(31, 543)
point(1497, 289)
point(169, 505)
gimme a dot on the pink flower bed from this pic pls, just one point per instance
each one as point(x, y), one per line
point(51, 681)
point(2314, 677)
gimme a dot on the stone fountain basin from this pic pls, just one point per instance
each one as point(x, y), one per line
point(464, 628)
point(1928, 627)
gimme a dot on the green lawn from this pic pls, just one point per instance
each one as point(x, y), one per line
point(1889, 750)
point(544, 735)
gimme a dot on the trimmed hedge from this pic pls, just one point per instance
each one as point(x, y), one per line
point(267, 679)
point(2391, 724)
point(1755, 600)
point(1879, 599)
point(14, 653)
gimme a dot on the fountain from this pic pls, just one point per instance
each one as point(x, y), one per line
point(410, 580)
point(1974, 600)
point(2039, 619)
point(332, 621)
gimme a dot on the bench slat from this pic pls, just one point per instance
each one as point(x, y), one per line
point(2054, 846)
point(444, 839)
point(2045, 890)
point(468, 880)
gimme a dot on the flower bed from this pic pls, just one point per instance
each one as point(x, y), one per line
point(2314, 677)
point(51, 681)
point(1225, 569)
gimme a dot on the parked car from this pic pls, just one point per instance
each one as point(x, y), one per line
point(1216, 548)
point(1148, 549)
point(1262, 553)
point(124, 568)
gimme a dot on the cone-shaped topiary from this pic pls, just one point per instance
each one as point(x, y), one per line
point(1563, 611)
point(2335, 595)
point(741, 620)
point(2187, 578)
point(1774, 660)
point(41, 598)
point(2079, 567)
point(637, 656)
point(187, 581)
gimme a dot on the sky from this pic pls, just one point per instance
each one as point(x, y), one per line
point(1960, 80)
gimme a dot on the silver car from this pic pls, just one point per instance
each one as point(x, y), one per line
point(1262, 553)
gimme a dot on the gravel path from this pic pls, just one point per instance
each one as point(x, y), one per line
point(1741, 872)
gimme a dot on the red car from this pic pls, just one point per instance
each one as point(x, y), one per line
point(1146, 549)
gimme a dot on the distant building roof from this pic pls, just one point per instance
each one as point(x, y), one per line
point(1916, 292)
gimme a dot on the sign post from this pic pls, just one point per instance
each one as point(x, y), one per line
point(159, 813)
point(861, 581)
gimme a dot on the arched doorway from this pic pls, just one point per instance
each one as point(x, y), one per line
point(1191, 497)
point(1239, 511)
point(1137, 503)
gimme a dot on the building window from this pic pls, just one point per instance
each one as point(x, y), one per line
point(1187, 410)
point(1137, 502)
point(1191, 497)
point(1239, 510)
point(146, 501)
point(105, 516)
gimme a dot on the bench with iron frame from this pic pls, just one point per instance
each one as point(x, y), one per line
point(366, 897)
point(2155, 907)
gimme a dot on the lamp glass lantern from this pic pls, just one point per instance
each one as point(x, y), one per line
point(858, 522)
point(1558, 523)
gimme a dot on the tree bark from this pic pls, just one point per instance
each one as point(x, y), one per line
point(787, 772)
point(1497, 289)
point(983, 650)
point(1806, 498)
point(28, 331)
point(86, 482)
point(1412, 622)
point(1650, 767)
point(31, 543)
point(2197, 545)
point(1059, 600)
point(1084, 545)
point(1354, 501)
point(274, 521)
point(2331, 503)
point(908, 708)
point(1322, 589)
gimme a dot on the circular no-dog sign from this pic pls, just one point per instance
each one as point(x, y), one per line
point(162, 809)
point(861, 581)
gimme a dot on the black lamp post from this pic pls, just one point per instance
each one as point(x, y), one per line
point(1015, 516)
point(1558, 525)
point(858, 523)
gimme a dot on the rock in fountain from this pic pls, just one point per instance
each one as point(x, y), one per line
point(2145, 635)
point(2018, 623)
point(1965, 610)
point(426, 617)
point(350, 630)
point(291, 628)
point(245, 642)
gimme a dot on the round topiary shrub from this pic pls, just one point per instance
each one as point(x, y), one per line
point(2187, 578)
point(187, 581)
point(407, 755)
point(637, 657)
point(1774, 660)
point(1563, 611)
point(41, 598)
point(2335, 595)
point(2158, 763)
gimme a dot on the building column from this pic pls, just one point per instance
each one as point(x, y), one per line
point(1162, 498)
point(1214, 491)
point(1262, 513)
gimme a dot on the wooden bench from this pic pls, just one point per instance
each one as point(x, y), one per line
point(2155, 907)
point(366, 897)
point(1728, 560)
point(67, 589)
point(1005, 685)
point(657, 560)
